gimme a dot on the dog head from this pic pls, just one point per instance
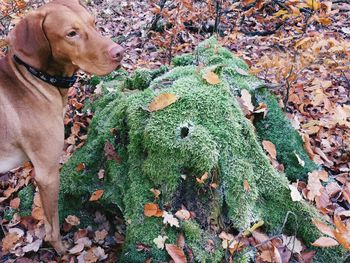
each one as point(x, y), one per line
point(60, 38)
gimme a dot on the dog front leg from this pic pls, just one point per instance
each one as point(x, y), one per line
point(48, 182)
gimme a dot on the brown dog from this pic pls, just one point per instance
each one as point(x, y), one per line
point(47, 47)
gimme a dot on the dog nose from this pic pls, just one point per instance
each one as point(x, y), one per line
point(116, 52)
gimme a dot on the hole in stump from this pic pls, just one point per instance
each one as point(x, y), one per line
point(184, 132)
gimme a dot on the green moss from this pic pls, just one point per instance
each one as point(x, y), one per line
point(26, 195)
point(275, 127)
point(203, 131)
point(183, 60)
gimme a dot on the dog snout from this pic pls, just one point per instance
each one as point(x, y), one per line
point(116, 52)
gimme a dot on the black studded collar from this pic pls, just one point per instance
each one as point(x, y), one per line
point(59, 82)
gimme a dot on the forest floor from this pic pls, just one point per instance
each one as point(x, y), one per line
point(301, 49)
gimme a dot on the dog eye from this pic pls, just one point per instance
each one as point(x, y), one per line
point(72, 34)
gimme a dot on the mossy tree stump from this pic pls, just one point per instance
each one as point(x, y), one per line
point(203, 131)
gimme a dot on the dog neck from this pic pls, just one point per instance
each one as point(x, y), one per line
point(56, 81)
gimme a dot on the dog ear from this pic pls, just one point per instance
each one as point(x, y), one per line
point(28, 41)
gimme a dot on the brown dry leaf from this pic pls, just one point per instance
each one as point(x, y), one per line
point(162, 101)
point(314, 4)
point(72, 220)
point(111, 153)
point(211, 77)
point(270, 148)
point(156, 192)
point(76, 249)
point(100, 235)
point(176, 253)
point(14, 203)
point(80, 167)
point(9, 241)
point(342, 233)
point(324, 228)
point(150, 209)
point(204, 177)
point(183, 214)
point(247, 100)
point(292, 243)
point(96, 195)
point(34, 246)
point(314, 186)
point(246, 185)
point(38, 213)
point(272, 256)
point(325, 242)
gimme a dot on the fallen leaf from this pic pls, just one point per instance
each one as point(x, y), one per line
point(96, 195)
point(325, 242)
point(211, 77)
point(295, 194)
point(72, 220)
point(341, 233)
point(247, 100)
point(14, 203)
point(324, 228)
point(314, 186)
point(101, 174)
point(246, 185)
point(110, 153)
point(38, 213)
point(80, 167)
point(292, 243)
point(100, 235)
point(176, 253)
point(253, 228)
point(300, 161)
point(170, 219)
point(270, 148)
point(9, 241)
point(162, 101)
point(150, 209)
point(160, 241)
point(156, 192)
point(76, 249)
point(34, 246)
point(204, 177)
point(183, 214)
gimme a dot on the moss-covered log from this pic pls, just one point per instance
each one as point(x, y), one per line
point(203, 131)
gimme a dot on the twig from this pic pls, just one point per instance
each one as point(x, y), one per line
point(285, 101)
point(218, 15)
point(262, 33)
point(158, 16)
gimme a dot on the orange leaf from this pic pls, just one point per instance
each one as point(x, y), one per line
point(246, 185)
point(80, 167)
point(176, 253)
point(38, 213)
point(343, 239)
point(325, 242)
point(151, 209)
point(340, 227)
point(323, 227)
point(9, 241)
point(204, 177)
point(162, 101)
point(14, 203)
point(270, 148)
point(96, 195)
point(211, 77)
